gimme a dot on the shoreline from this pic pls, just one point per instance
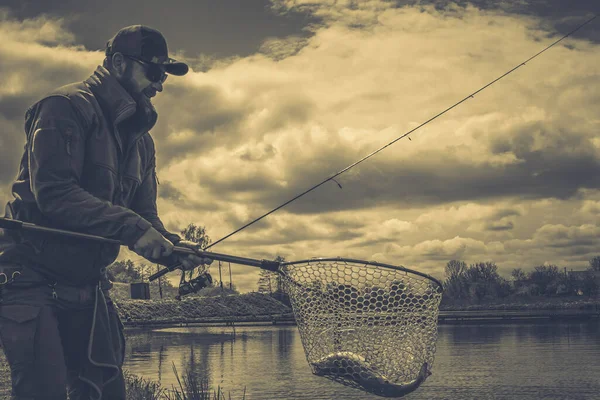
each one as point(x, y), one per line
point(445, 317)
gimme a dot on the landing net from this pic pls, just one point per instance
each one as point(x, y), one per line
point(364, 324)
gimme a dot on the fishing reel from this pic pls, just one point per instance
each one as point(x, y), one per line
point(193, 285)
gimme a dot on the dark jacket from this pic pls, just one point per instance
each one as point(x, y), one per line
point(85, 168)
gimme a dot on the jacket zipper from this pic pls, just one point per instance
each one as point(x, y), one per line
point(122, 162)
point(124, 152)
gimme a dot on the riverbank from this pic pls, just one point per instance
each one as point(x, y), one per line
point(229, 308)
point(528, 303)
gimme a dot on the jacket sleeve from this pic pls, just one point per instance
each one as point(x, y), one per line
point(144, 201)
point(56, 150)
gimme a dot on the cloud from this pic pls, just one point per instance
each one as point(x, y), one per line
point(510, 175)
point(42, 30)
point(467, 185)
point(328, 105)
point(37, 55)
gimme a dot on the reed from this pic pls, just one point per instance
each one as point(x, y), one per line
point(190, 387)
point(139, 388)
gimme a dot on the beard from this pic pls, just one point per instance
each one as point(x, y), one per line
point(145, 114)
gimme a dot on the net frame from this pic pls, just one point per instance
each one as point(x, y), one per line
point(365, 324)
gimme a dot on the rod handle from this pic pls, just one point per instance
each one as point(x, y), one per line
point(11, 224)
point(263, 264)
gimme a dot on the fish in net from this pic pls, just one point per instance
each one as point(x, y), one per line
point(366, 325)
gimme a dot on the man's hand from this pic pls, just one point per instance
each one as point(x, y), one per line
point(191, 261)
point(153, 245)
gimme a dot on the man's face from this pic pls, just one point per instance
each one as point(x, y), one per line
point(136, 81)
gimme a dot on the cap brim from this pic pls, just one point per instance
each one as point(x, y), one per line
point(175, 67)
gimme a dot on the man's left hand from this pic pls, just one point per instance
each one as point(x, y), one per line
point(191, 261)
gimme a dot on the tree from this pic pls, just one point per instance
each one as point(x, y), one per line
point(590, 287)
point(265, 282)
point(595, 263)
point(455, 285)
point(271, 283)
point(143, 271)
point(546, 278)
point(480, 281)
point(455, 269)
point(123, 271)
point(518, 275)
point(279, 288)
point(196, 234)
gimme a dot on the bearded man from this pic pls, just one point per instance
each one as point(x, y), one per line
point(89, 166)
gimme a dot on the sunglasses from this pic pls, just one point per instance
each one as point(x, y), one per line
point(152, 71)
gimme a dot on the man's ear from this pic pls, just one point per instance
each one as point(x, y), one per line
point(119, 64)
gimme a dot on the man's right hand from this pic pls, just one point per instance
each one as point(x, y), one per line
point(152, 245)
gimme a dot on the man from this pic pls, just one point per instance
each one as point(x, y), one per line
point(88, 166)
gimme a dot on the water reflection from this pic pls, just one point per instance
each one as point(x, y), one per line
point(524, 361)
point(465, 333)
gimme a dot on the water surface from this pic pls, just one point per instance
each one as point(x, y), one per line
point(535, 361)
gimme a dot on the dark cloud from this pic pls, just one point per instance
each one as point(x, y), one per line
point(200, 109)
point(168, 192)
point(506, 212)
point(210, 119)
point(562, 179)
point(499, 226)
point(555, 15)
point(567, 163)
point(218, 28)
point(296, 232)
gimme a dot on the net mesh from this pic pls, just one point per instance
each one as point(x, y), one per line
point(363, 324)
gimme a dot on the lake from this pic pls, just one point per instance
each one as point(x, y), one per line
point(544, 360)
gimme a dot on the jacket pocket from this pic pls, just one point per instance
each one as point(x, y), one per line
point(18, 327)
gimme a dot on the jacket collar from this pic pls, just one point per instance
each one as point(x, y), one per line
point(114, 99)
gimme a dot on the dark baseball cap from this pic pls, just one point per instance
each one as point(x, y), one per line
point(148, 45)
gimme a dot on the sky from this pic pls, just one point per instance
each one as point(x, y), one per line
point(282, 94)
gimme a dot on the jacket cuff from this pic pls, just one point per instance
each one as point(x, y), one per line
point(136, 231)
point(173, 238)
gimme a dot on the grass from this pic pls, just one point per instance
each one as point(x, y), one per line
point(139, 388)
point(190, 387)
point(194, 388)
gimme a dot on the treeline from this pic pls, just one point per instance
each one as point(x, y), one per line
point(271, 284)
point(481, 282)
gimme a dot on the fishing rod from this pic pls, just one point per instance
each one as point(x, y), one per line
point(332, 178)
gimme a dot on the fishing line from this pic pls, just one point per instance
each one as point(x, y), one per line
point(332, 178)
